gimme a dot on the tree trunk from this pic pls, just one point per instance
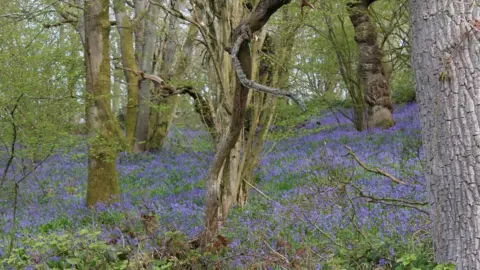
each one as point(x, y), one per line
point(166, 106)
point(102, 149)
point(143, 116)
point(125, 31)
point(445, 58)
point(370, 67)
point(213, 206)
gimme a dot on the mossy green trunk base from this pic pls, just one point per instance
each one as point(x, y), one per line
point(103, 184)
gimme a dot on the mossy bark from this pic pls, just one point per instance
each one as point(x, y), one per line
point(125, 31)
point(160, 120)
point(103, 184)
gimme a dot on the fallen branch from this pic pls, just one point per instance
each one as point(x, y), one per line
point(374, 170)
point(259, 191)
point(276, 252)
point(394, 202)
point(245, 35)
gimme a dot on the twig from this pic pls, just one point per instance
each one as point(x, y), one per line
point(386, 202)
point(60, 23)
point(245, 36)
point(391, 201)
point(259, 191)
point(38, 165)
point(322, 231)
point(276, 252)
point(374, 170)
point(14, 141)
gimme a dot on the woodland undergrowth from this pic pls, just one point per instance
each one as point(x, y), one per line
point(315, 205)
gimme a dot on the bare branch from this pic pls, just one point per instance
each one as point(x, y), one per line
point(374, 170)
point(14, 141)
point(393, 202)
point(60, 23)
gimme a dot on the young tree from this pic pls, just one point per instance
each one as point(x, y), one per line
point(102, 128)
point(446, 61)
point(125, 30)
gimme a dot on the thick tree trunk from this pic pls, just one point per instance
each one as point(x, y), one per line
point(143, 116)
point(102, 149)
point(370, 67)
point(446, 61)
point(125, 31)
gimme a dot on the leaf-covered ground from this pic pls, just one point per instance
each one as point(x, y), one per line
point(314, 213)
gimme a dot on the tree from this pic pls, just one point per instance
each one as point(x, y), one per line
point(102, 128)
point(125, 30)
point(146, 38)
point(370, 67)
point(341, 45)
point(241, 64)
point(445, 59)
point(165, 105)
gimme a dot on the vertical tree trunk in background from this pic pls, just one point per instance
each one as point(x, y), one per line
point(116, 94)
point(166, 106)
point(446, 61)
point(143, 116)
point(102, 149)
point(125, 30)
point(140, 7)
point(370, 67)
point(80, 26)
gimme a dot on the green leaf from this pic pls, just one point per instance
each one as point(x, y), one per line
point(73, 261)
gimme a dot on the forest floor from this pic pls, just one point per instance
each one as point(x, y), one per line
point(319, 208)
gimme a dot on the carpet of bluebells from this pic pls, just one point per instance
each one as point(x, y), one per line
point(318, 209)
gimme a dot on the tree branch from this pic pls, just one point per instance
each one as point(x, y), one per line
point(374, 170)
point(393, 202)
point(14, 141)
point(60, 23)
point(245, 35)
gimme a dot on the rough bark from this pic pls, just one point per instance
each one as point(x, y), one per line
point(102, 149)
point(446, 61)
point(370, 67)
point(143, 116)
point(125, 30)
point(253, 22)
